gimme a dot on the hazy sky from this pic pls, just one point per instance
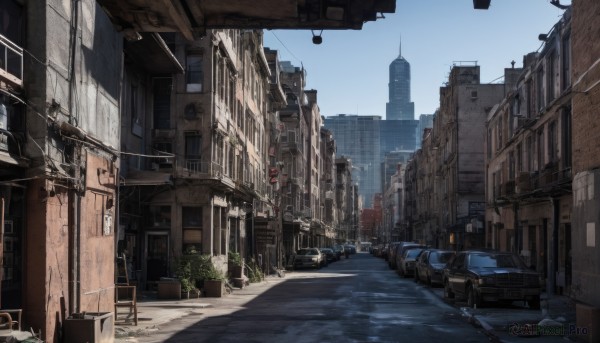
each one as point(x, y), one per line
point(350, 68)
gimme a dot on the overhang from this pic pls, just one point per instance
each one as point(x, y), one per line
point(193, 17)
point(152, 53)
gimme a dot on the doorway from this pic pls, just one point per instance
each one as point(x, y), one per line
point(157, 258)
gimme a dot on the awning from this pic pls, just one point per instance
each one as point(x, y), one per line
point(147, 178)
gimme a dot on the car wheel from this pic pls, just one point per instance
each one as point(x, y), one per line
point(447, 291)
point(534, 303)
point(473, 300)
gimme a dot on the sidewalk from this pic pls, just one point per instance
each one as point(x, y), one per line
point(155, 314)
point(555, 322)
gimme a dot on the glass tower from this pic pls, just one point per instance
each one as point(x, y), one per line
point(399, 106)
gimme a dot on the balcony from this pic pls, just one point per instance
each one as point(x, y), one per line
point(198, 169)
point(11, 63)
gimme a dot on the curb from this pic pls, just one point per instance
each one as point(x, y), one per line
point(479, 322)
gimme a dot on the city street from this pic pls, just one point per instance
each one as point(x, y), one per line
point(355, 300)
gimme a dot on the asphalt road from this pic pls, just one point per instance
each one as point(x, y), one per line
point(355, 300)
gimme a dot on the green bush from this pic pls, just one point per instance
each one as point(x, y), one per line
point(193, 267)
point(234, 258)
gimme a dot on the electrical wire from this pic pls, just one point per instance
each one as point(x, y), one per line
point(285, 47)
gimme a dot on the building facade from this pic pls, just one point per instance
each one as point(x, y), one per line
point(59, 128)
point(585, 81)
point(359, 139)
point(528, 163)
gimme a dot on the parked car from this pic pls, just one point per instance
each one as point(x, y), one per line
point(481, 276)
point(339, 251)
point(406, 265)
point(308, 258)
point(430, 266)
point(400, 249)
point(329, 254)
point(391, 254)
point(351, 248)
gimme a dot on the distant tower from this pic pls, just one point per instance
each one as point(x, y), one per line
point(399, 106)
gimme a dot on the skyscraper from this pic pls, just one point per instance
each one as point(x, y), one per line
point(359, 138)
point(399, 106)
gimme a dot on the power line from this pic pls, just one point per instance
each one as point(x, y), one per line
point(286, 48)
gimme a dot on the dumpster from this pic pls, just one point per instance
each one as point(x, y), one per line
point(89, 327)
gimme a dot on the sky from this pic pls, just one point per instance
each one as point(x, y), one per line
point(350, 69)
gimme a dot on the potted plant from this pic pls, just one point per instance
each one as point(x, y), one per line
point(235, 265)
point(190, 269)
point(214, 282)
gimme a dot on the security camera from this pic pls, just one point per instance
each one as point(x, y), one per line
point(317, 40)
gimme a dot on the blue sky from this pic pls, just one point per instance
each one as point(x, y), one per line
point(350, 68)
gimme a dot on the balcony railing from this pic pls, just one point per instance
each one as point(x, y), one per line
point(197, 167)
point(11, 62)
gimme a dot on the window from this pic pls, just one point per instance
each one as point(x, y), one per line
point(540, 89)
point(519, 158)
point(566, 62)
point(552, 142)
point(191, 220)
point(566, 138)
point(552, 69)
point(540, 145)
point(194, 75)
point(511, 165)
point(193, 151)
point(162, 102)
point(530, 100)
point(530, 153)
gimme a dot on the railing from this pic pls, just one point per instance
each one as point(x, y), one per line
point(11, 61)
point(196, 166)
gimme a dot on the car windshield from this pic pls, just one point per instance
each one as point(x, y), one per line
point(495, 261)
point(440, 257)
point(412, 253)
point(308, 252)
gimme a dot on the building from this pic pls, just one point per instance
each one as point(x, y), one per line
point(346, 199)
point(359, 139)
point(425, 122)
point(528, 162)
point(59, 155)
point(584, 79)
point(399, 106)
point(445, 202)
point(294, 143)
point(327, 185)
point(200, 179)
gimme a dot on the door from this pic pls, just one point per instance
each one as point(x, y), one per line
point(157, 257)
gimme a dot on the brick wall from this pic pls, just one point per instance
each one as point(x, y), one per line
point(585, 40)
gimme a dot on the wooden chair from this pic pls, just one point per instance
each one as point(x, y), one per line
point(125, 294)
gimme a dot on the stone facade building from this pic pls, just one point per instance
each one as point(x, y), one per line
point(445, 179)
point(528, 161)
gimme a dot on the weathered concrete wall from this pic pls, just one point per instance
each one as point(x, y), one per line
point(585, 243)
point(47, 236)
point(97, 238)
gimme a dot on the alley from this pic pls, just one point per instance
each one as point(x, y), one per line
point(357, 300)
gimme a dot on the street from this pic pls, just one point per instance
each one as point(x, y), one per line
point(355, 300)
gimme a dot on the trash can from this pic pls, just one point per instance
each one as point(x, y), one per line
point(89, 327)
